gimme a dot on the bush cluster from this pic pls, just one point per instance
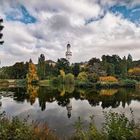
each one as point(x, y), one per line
point(16, 129)
point(116, 127)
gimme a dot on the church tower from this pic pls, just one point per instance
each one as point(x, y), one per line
point(68, 52)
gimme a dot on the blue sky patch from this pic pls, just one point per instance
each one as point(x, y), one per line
point(131, 14)
point(20, 13)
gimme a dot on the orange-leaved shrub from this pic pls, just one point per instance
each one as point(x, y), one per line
point(108, 79)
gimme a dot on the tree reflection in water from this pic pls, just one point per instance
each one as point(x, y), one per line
point(32, 92)
point(64, 95)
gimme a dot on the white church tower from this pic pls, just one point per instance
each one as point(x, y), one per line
point(68, 52)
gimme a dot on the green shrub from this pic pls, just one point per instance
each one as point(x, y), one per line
point(137, 78)
point(82, 76)
point(117, 126)
point(69, 78)
point(16, 129)
point(93, 77)
point(91, 133)
point(56, 80)
point(107, 85)
point(82, 84)
point(128, 83)
point(21, 82)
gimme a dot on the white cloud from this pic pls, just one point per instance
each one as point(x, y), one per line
point(60, 21)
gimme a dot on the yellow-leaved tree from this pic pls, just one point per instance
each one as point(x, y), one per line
point(32, 73)
point(32, 91)
point(134, 71)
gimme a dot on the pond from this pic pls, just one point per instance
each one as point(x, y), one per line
point(60, 108)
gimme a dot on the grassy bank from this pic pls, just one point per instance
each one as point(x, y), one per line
point(122, 83)
point(44, 82)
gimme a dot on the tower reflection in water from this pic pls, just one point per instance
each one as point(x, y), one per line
point(69, 108)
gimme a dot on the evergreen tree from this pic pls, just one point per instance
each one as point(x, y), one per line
point(76, 69)
point(41, 67)
point(110, 69)
point(129, 62)
point(129, 58)
point(124, 67)
point(63, 64)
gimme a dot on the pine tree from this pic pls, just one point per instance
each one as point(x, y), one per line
point(129, 61)
point(124, 67)
point(41, 67)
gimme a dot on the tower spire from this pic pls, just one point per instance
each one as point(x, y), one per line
point(68, 52)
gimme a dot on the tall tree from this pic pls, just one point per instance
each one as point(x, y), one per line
point(19, 70)
point(110, 69)
point(129, 61)
point(41, 67)
point(124, 67)
point(92, 61)
point(63, 64)
point(76, 69)
point(32, 73)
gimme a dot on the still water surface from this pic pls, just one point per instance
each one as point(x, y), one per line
point(61, 107)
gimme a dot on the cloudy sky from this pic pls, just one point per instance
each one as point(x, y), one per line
point(93, 28)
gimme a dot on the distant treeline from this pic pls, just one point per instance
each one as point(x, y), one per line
point(113, 65)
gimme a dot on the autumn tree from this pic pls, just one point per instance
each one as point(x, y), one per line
point(134, 71)
point(32, 92)
point(32, 73)
point(62, 76)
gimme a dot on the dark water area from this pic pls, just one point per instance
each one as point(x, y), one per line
point(59, 108)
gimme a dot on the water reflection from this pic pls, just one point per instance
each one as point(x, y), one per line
point(63, 96)
point(32, 92)
point(69, 108)
point(60, 107)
